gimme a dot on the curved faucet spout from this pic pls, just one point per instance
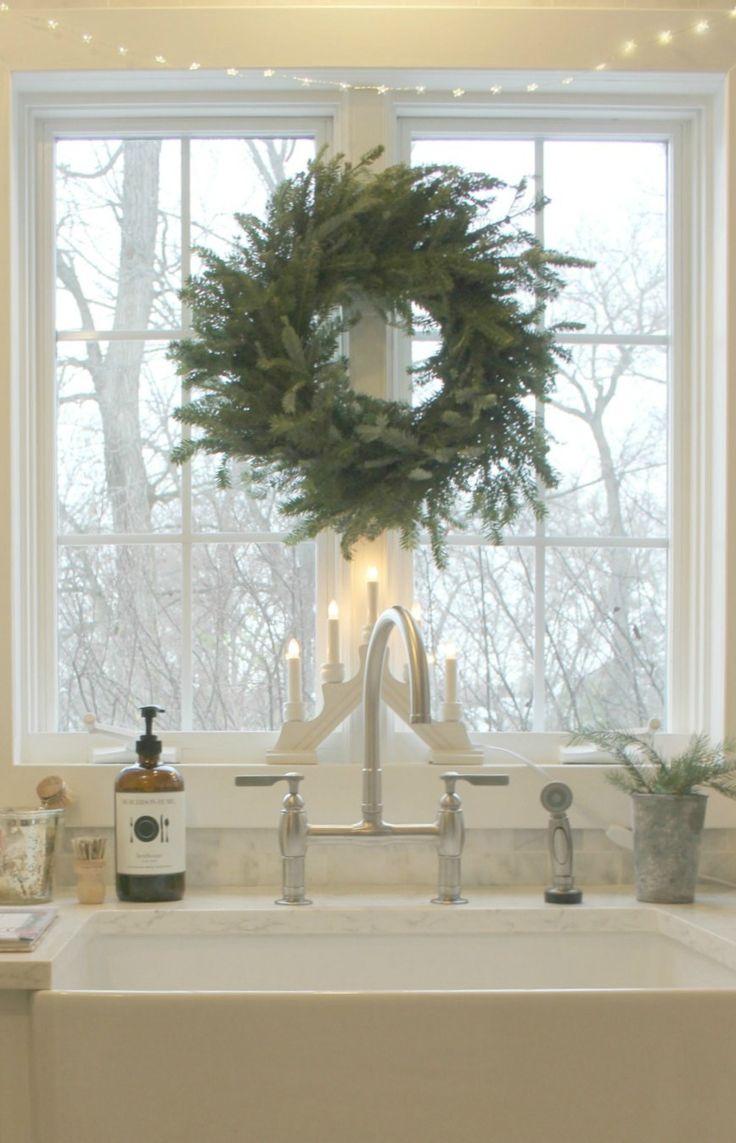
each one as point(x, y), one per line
point(420, 700)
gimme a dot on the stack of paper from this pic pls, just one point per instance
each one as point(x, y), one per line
point(21, 929)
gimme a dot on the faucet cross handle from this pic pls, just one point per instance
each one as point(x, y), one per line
point(292, 833)
point(451, 829)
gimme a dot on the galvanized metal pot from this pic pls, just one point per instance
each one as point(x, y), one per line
point(667, 833)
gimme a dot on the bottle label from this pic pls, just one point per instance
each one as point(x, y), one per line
point(150, 833)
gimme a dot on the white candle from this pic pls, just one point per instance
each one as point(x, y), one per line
point(372, 584)
point(450, 673)
point(294, 676)
point(333, 633)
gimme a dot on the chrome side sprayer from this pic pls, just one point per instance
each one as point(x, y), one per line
point(556, 797)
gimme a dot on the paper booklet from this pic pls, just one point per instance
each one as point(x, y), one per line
point(21, 929)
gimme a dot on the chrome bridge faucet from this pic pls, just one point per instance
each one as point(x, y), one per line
point(448, 828)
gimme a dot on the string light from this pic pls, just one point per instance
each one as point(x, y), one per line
point(628, 48)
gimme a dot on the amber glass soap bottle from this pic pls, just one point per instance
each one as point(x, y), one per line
point(149, 824)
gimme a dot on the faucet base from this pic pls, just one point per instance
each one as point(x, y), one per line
point(563, 896)
point(292, 901)
point(448, 901)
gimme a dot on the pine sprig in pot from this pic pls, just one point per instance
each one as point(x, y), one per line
point(644, 770)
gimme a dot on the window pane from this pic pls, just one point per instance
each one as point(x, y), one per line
point(608, 423)
point(118, 234)
point(238, 175)
point(510, 160)
point(605, 658)
point(608, 202)
point(248, 602)
point(114, 438)
point(483, 604)
point(119, 628)
point(241, 508)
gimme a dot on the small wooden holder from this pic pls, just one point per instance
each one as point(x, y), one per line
point(90, 881)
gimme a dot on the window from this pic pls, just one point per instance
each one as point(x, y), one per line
point(566, 623)
point(145, 582)
point(165, 587)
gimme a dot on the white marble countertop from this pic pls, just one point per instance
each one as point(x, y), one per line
point(708, 925)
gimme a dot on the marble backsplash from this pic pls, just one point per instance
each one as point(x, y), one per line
point(250, 858)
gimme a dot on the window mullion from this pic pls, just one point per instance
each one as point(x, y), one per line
point(187, 548)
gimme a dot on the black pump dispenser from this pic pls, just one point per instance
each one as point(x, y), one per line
point(148, 745)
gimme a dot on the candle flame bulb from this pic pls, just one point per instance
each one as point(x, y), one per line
point(292, 651)
point(333, 610)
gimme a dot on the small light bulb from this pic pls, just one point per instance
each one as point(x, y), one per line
point(532, 87)
point(86, 38)
point(702, 27)
point(382, 89)
point(269, 72)
point(629, 47)
point(421, 89)
point(52, 25)
point(194, 66)
point(601, 67)
point(333, 611)
point(664, 37)
point(292, 651)
point(4, 7)
point(122, 50)
point(458, 92)
point(568, 80)
point(496, 89)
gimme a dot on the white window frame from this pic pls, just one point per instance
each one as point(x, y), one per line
point(697, 572)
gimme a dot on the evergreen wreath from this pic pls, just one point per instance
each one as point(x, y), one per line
point(417, 245)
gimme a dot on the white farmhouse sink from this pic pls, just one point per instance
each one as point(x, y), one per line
point(367, 950)
point(329, 1025)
